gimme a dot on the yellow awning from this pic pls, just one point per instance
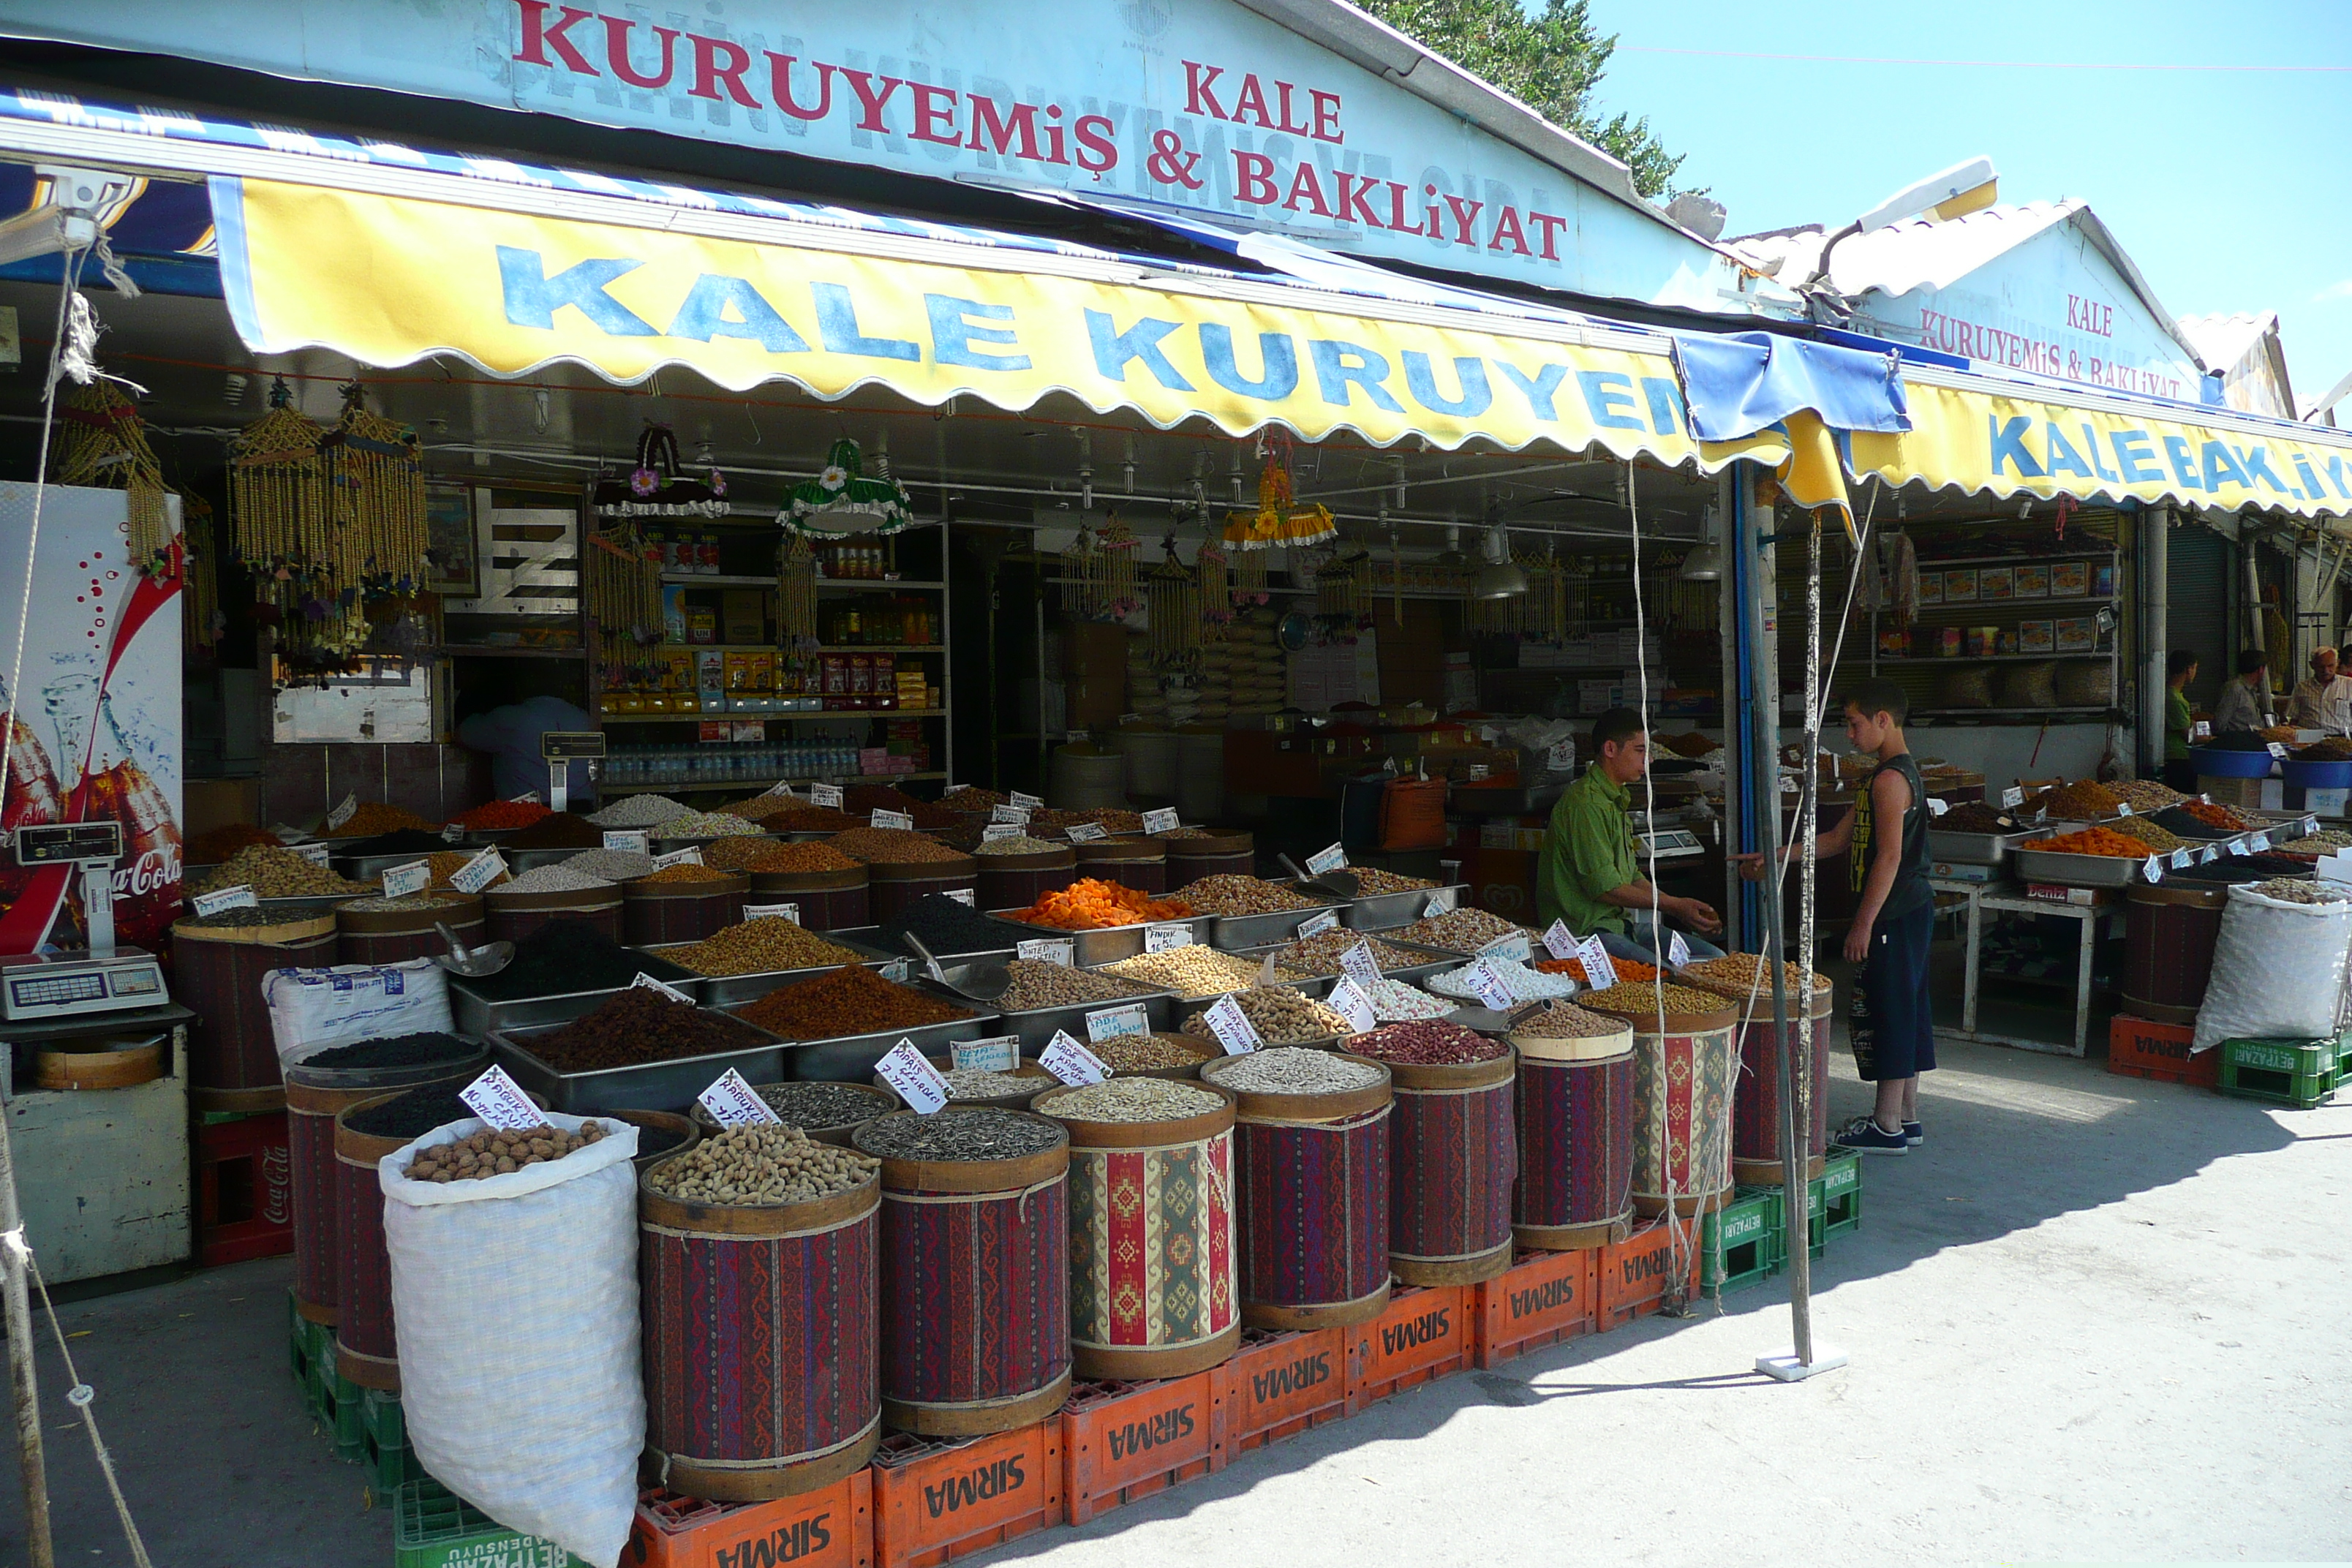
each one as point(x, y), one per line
point(391, 280)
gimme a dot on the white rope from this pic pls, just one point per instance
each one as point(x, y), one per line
point(82, 1397)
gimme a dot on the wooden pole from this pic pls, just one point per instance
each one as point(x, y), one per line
point(19, 1318)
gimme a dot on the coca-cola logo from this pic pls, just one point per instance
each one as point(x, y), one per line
point(154, 871)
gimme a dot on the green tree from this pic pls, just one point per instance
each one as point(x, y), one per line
point(1550, 61)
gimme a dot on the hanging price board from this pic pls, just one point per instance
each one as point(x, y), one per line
point(2260, 843)
point(1017, 816)
point(1559, 940)
point(345, 809)
point(1107, 1023)
point(1358, 965)
point(2123, 808)
point(1510, 949)
point(314, 853)
point(1318, 924)
point(632, 840)
point(2011, 797)
point(650, 983)
point(997, 832)
point(1439, 902)
point(2278, 749)
point(1000, 1053)
point(2153, 867)
point(2208, 856)
point(824, 794)
point(401, 881)
point(1231, 1026)
point(1070, 1061)
point(1164, 820)
point(1167, 937)
point(1936, 806)
point(500, 1101)
point(1348, 999)
point(918, 1082)
point(1046, 950)
point(1330, 858)
point(478, 873)
point(453, 832)
point(784, 791)
point(732, 1103)
point(2182, 858)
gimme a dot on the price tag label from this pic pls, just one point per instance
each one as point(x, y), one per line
point(1560, 756)
point(1266, 972)
point(1487, 983)
point(345, 809)
point(1231, 1026)
point(2278, 748)
point(897, 970)
point(1600, 972)
point(1936, 806)
point(1070, 1061)
point(650, 983)
point(824, 794)
point(772, 912)
point(237, 898)
point(1510, 949)
point(2207, 856)
point(1106, 1023)
point(478, 873)
point(784, 791)
point(2200, 730)
point(1479, 770)
point(632, 840)
point(1018, 815)
point(401, 881)
point(500, 1101)
point(1330, 858)
point(968, 897)
point(2153, 867)
point(528, 797)
point(452, 832)
point(1086, 832)
point(999, 1053)
point(1358, 965)
point(918, 1083)
point(1167, 938)
point(1131, 718)
point(997, 832)
point(1161, 821)
point(2259, 844)
point(1559, 940)
point(732, 1103)
point(1677, 951)
point(1046, 950)
point(1348, 999)
point(1440, 902)
point(689, 856)
point(2311, 824)
point(285, 834)
point(955, 789)
point(2011, 797)
point(314, 853)
point(2123, 808)
point(2182, 859)
point(1034, 802)
point(1318, 924)
point(893, 819)
point(2237, 846)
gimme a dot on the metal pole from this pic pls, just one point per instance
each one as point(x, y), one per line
point(19, 1318)
point(1729, 630)
point(2154, 529)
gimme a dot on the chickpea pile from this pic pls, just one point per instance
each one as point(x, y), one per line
point(491, 1152)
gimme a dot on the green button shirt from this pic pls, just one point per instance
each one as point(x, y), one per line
point(2177, 721)
point(1587, 851)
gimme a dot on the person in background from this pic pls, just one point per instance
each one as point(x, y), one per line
point(511, 734)
point(2324, 701)
point(1587, 875)
point(2245, 701)
point(1892, 1027)
point(2179, 723)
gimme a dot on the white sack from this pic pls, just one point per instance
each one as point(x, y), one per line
point(516, 1298)
point(2278, 969)
point(311, 1009)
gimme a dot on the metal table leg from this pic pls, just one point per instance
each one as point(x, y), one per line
point(2090, 924)
point(1969, 992)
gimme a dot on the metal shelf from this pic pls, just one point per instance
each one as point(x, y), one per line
point(1972, 605)
point(612, 718)
point(459, 650)
point(1988, 658)
point(844, 779)
point(1985, 712)
point(860, 584)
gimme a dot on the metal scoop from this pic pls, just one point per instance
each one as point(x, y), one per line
point(1486, 1021)
point(1341, 885)
point(473, 963)
point(982, 981)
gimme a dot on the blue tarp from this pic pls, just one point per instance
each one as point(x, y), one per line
point(1737, 383)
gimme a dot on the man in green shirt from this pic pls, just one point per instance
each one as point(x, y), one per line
point(1587, 875)
point(2180, 669)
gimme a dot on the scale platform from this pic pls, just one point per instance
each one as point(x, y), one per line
point(51, 985)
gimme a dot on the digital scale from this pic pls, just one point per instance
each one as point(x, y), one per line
point(1668, 844)
point(560, 748)
point(105, 979)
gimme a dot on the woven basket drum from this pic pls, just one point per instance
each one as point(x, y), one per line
point(1576, 1141)
point(1683, 1078)
point(1454, 1152)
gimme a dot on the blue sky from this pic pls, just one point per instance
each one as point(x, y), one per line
point(2229, 188)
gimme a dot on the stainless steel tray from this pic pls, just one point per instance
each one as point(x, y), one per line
point(1437, 962)
point(2075, 870)
point(1990, 849)
point(1386, 911)
point(521, 860)
point(850, 1058)
point(873, 940)
point(1036, 1026)
point(480, 1016)
point(645, 1085)
point(1234, 932)
point(722, 990)
point(1091, 947)
point(368, 868)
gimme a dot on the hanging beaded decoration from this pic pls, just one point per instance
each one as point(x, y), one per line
point(1078, 575)
point(1216, 590)
point(200, 616)
point(623, 583)
point(375, 485)
point(1111, 576)
point(1175, 596)
point(104, 443)
point(278, 515)
point(796, 593)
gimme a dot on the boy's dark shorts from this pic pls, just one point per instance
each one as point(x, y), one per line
point(1892, 1029)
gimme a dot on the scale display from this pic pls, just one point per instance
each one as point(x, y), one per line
point(570, 745)
point(65, 984)
point(1668, 844)
point(55, 843)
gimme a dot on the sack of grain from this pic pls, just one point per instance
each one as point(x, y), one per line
point(1966, 689)
point(2030, 685)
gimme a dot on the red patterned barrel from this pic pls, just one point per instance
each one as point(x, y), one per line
point(762, 1341)
point(1684, 1067)
point(975, 1290)
point(367, 1348)
point(2170, 929)
point(1576, 1141)
point(1756, 1099)
point(1312, 1204)
point(1454, 1154)
point(217, 973)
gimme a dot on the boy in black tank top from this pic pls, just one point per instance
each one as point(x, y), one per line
point(1892, 1029)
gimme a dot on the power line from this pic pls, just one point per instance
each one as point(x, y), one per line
point(1997, 65)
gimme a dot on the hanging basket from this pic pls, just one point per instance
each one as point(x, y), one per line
point(842, 500)
point(658, 485)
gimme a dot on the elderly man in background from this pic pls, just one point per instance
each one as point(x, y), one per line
point(2324, 701)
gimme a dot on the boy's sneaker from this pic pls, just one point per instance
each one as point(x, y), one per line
point(1914, 1133)
point(1866, 1135)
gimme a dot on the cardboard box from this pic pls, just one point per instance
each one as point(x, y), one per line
point(742, 614)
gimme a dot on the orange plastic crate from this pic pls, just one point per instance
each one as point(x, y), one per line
point(1279, 1386)
point(1634, 1271)
point(1424, 1333)
point(833, 1527)
point(935, 1500)
point(2141, 1048)
point(1545, 1298)
point(1121, 1441)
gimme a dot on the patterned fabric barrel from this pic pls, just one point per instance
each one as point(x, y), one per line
point(829, 901)
point(367, 1348)
point(1312, 1204)
point(1756, 1100)
point(1138, 863)
point(217, 973)
point(2169, 929)
point(1016, 882)
point(1151, 1243)
point(975, 1291)
point(1681, 1108)
point(760, 1342)
point(1221, 854)
point(1576, 1141)
point(514, 916)
point(395, 936)
point(1454, 1152)
point(654, 913)
point(891, 888)
point(314, 1098)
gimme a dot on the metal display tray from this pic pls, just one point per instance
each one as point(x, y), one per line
point(723, 990)
point(1386, 911)
point(480, 1016)
point(643, 1086)
point(1234, 932)
point(1438, 962)
point(1091, 949)
point(2076, 870)
point(1991, 848)
point(873, 940)
point(1036, 1027)
point(850, 1058)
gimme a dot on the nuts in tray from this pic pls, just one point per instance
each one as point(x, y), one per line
point(1191, 972)
point(1311, 957)
point(1036, 986)
point(1279, 1015)
point(1235, 897)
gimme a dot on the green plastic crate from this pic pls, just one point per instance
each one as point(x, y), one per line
point(432, 1528)
point(1840, 1183)
point(335, 1401)
point(383, 1433)
point(2296, 1072)
point(1740, 1243)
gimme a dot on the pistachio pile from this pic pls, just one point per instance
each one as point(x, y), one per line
point(1036, 985)
point(1279, 1015)
point(493, 1153)
point(763, 1164)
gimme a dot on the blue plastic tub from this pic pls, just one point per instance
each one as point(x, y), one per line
point(2316, 775)
point(2212, 763)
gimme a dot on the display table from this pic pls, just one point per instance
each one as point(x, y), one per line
point(2008, 898)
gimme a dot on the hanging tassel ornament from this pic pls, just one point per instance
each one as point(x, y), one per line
point(1175, 606)
point(1216, 591)
point(1115, 570)
point(796, 594)
point(1078, 575)
point(622, 578)
point(278, 517)
point(375, 500)
point(200, 615)
point(104, 443)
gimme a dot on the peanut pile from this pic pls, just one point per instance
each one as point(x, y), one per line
point(493, 1153)
point(763, 1164)
point(1190, 973)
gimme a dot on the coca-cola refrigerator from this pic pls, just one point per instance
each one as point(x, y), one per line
point(90, 684)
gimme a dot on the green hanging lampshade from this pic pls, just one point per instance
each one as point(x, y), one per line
point(841, 499)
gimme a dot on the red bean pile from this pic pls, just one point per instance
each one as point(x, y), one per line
point(1426, 1043)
